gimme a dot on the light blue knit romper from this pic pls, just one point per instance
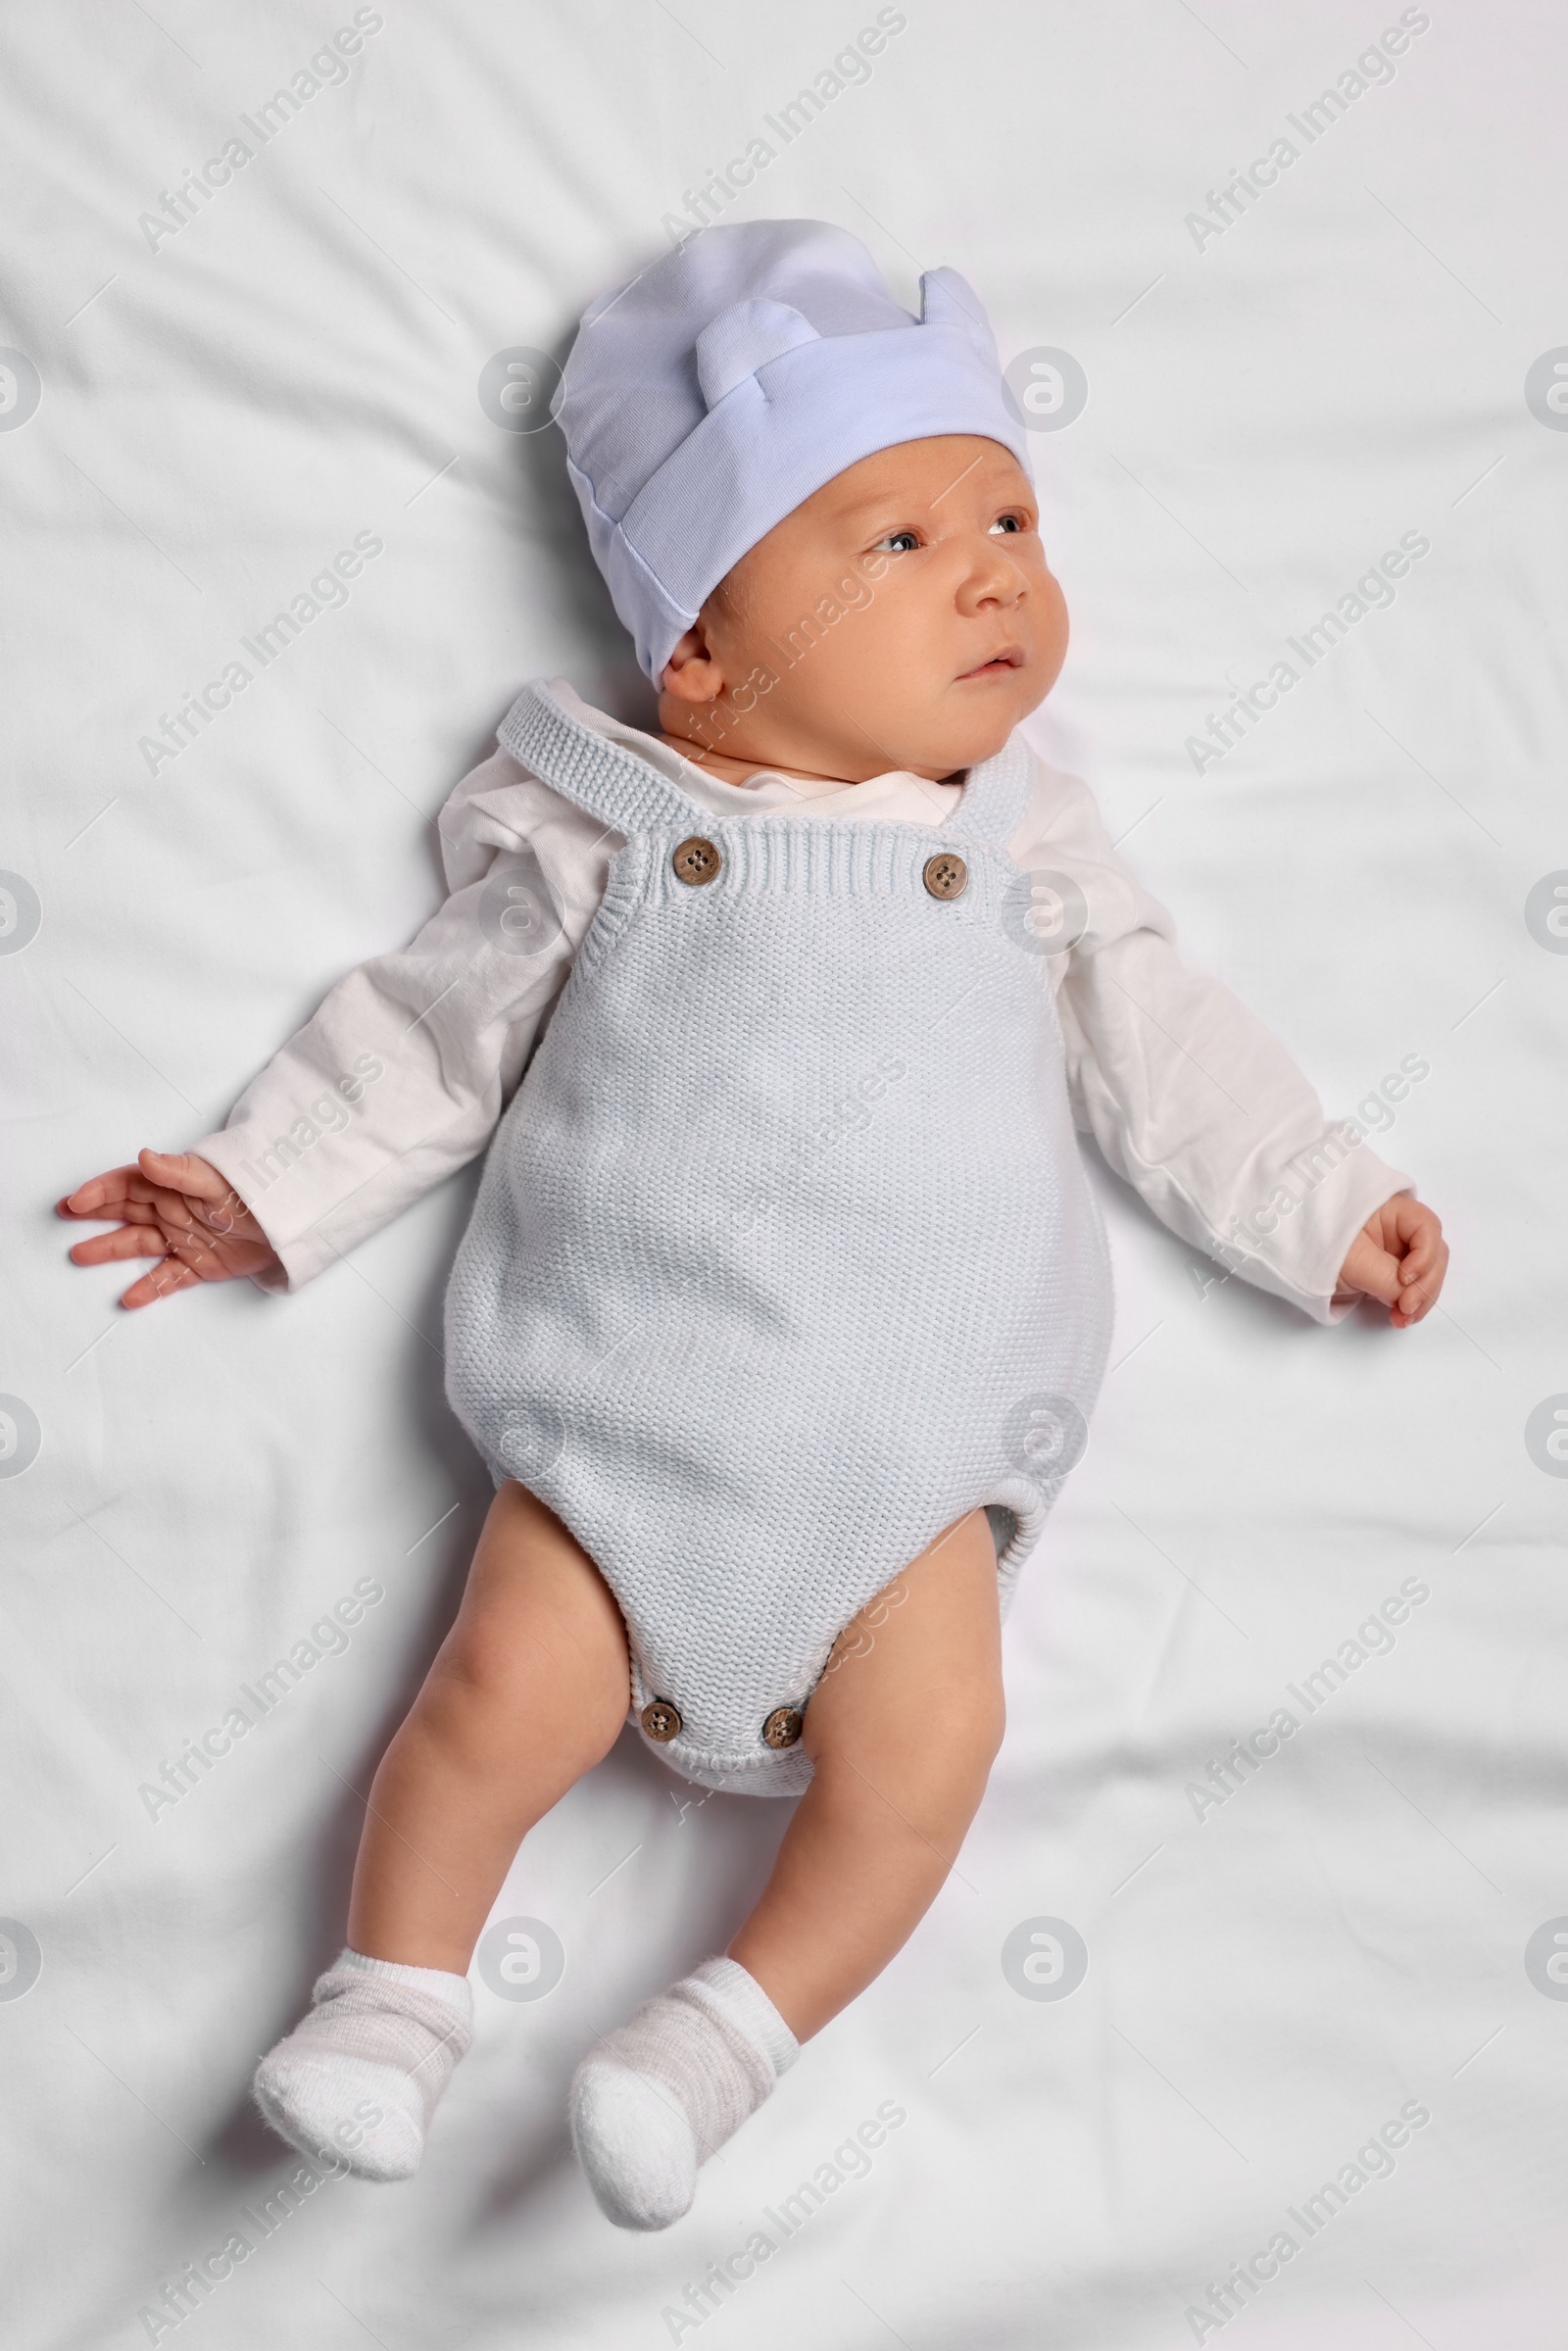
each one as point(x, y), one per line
point(783, 1257)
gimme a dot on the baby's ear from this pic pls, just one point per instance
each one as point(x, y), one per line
point(948, 300)
point(691, 673)
point(744, 338)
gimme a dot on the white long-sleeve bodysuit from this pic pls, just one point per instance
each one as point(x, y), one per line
point(401, 1075)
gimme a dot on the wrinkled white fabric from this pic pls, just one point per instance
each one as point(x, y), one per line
point(1266, 1986)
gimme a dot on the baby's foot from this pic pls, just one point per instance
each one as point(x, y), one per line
point(653, 2099)
point(358, 2077)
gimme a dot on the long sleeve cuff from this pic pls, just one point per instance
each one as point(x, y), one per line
point(1293, 1241)
point(232, 1151)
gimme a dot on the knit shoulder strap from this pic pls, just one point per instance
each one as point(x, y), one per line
point(995, 796)
point(611, 782)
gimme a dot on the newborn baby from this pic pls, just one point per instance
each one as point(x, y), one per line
point(785, 1298)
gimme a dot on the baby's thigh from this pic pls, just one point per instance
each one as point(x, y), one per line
point(538, 1623)
point(919, 1669)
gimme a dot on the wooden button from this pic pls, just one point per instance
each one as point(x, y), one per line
point(783, 1727)
point(661, 1720)
point(945, 876)
point(695, 860)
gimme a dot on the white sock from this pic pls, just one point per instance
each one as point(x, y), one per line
point(653, 2099)
point(358, 2077)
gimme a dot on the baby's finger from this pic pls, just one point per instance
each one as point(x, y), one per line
point(162, 1282)
point(101, 1195)
point(1429, 1291)
point(184, 1171)
point(1378, 1274)
point(1416, 1222)
point(1417, 1302)
point(1432, 1282)
point(131, 1241)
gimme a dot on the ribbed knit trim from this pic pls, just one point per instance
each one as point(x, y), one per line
point(688, 2043)
point(442, 2003)
point(611, 782)
point(815, 857)
point(731, 1989)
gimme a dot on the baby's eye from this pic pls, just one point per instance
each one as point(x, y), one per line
point(1009, 523)
point(909, 541)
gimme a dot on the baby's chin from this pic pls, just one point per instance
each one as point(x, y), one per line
point(941, 750)
point(968, 727)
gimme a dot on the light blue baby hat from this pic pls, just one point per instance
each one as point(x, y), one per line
point(702, 400)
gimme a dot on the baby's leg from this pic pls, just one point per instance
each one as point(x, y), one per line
point(902, 1730)
point(527, 1692)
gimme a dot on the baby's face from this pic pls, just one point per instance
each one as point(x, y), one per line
point(904, 613)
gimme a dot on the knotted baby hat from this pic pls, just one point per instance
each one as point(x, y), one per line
point(707, 398)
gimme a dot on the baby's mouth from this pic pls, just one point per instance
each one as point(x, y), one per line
point(1011, 657)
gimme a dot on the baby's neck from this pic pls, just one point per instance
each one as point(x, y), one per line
point(740, 771)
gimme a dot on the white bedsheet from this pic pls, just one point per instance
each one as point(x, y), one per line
point(1272, 403)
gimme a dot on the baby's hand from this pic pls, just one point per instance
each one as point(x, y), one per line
point(174, 1206)
point(1400, 1257)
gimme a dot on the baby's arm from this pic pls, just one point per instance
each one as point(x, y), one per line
point(397, 1079)
point(1195, 1103)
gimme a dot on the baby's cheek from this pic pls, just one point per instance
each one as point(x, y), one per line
point(1053, 626)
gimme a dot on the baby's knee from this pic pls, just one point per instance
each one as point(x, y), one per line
point(480, 1690)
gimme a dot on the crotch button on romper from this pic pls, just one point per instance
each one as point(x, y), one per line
point(783, 1248)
